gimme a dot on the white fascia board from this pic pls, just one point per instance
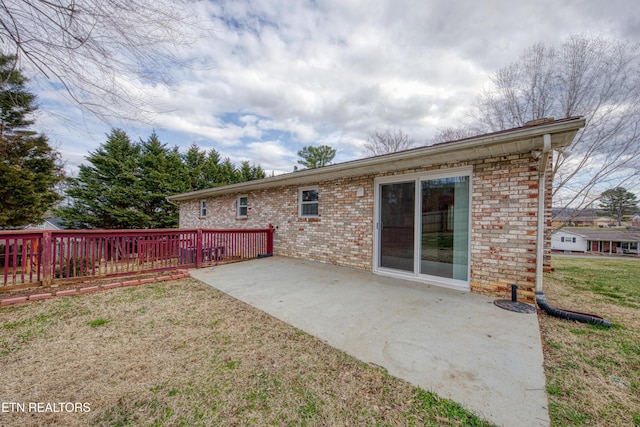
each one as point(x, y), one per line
point(503, 143)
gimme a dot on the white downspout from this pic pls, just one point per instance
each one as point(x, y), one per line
point(542, 171)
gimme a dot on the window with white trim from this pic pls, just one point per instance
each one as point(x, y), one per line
point(308, 202)
point(242, 206)
point(203, 208)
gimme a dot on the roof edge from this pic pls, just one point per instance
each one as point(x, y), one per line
point(570, 124)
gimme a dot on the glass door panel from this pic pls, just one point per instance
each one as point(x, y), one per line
point(397, 230)
point(444, 227)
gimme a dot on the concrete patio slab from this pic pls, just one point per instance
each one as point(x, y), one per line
point(458, 345)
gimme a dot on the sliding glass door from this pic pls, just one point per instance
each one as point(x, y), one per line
point(422, 223)
point(444, 227)
point(397, 230)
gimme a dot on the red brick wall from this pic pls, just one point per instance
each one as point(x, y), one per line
point(341, 234)
point(503, 209)
point(504, 226)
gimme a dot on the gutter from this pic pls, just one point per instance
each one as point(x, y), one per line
point(561, 132)
point(542, 171)
point(540, 298)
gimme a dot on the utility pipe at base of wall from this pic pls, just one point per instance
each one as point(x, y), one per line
point(569, 315)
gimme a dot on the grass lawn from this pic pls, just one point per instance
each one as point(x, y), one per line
point(593, 373)
point(182, 353)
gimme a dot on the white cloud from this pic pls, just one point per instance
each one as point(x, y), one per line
point(270, 76)
point(271, 155)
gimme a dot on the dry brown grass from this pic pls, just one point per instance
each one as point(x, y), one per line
point(593, 373)
point(182, 353)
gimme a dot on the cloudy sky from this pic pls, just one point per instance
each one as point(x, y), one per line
point(275, 75)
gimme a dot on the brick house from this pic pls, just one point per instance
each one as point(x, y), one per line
point(464, 214)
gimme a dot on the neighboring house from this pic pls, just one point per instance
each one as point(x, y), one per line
point(566, 217)
point(461, 214)
point(605, 221)
point(47, 224)
point(635, 220)
point(570, 218)
point(596, 241)
point(568, 240)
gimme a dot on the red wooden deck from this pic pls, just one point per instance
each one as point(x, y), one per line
point(40, 258)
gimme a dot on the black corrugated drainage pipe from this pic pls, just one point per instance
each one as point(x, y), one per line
point(569, 315)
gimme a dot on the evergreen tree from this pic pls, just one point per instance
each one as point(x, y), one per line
point(212, 170)
point(106, 194)
point(227, 173)
point(194, 168)
point(244, 172)
point(316, 157)
point(161, 174)
point(258, 172)
point(29, 168)
point(618, 202)
point(126, 184)
point(249, 173)
point(203, 169)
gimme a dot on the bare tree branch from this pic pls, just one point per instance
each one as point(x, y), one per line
point(448, 133)
point(387, 141)
point(98, 51)
point(592, 77)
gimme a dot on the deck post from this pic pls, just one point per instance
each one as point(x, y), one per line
point(199, 248)
point(47, 258)
point(270, 232)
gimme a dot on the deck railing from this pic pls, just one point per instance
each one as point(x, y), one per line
point(34, 258)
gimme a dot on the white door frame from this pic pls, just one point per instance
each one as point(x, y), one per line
point(416, 275)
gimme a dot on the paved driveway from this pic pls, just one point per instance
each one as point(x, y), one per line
point(459, 345)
